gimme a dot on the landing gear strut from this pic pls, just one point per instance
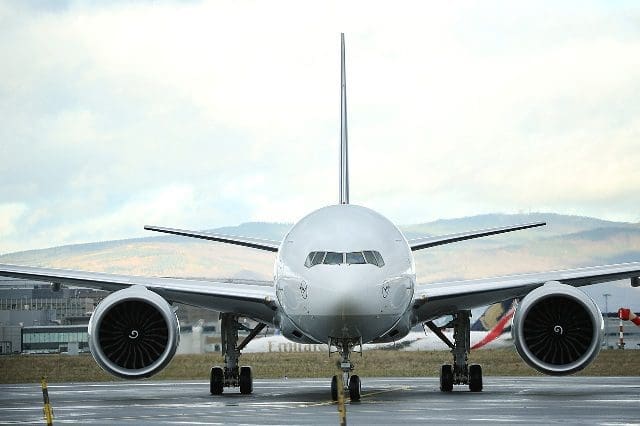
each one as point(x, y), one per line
point(232, 375)
point(351, 382)
point(460, 373)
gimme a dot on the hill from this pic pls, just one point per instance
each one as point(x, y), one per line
point(566, 242)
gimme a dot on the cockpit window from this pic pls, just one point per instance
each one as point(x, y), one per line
point(333, 258)
point(314, 258)
point(352, 258)
point(355, 258)
point(370, 258)
point(317, 259)
point(380, 262)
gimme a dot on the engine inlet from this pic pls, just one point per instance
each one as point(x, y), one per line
point(133, 334)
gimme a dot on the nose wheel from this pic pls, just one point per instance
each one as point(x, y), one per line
point(334, 388)
point(354, 388)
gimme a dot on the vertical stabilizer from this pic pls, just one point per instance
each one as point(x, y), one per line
point(344, 158)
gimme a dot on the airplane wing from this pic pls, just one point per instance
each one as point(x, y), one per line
point(437, 299)
point(425, 242)
point(250, 298)
point(256, 243)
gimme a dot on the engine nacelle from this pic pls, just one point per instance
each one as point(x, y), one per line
point(133, 333)
point(557, 329)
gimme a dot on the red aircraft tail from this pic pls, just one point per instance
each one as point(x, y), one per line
point(502, 324)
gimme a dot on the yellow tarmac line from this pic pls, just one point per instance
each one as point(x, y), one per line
point(399, 388)
point(365, 395)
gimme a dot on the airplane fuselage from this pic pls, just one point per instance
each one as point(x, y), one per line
point(344, 272)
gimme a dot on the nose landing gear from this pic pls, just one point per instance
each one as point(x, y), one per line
point(351, 383)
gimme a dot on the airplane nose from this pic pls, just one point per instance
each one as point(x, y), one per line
point(357, 305)
point(345, 297)
point(343, 302)
point(359, 294)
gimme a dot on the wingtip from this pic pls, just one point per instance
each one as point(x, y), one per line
point(534, 224)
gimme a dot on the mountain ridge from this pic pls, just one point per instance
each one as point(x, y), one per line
point(277, 230)
point(568, 242)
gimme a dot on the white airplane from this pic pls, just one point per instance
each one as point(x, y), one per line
point(415, 341)
point(344, 275)
point(496, 337)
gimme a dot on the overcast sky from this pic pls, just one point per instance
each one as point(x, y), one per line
point(199, 115)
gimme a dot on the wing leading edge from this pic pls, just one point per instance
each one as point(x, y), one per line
point(256, 243)
point(234, 296)
point(426, 242)
point(273, 246)
point(437, 299)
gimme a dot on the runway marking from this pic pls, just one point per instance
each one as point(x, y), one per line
point(572, 400)
point(620, 424)
point(388, 390)
point(364, 395)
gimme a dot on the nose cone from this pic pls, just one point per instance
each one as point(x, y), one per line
point(343, 291)
point(345, 303)
point(347, 291)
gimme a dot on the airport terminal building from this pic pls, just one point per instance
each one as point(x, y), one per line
point(37, 318)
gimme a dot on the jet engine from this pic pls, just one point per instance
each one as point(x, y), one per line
point(133, 333)
point(557, 329)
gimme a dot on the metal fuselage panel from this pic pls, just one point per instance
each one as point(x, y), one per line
point(345, 301)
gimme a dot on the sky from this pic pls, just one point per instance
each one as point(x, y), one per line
point(198, 115)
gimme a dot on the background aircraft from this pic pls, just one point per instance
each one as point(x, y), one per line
point(491, 330)
point(345, 276)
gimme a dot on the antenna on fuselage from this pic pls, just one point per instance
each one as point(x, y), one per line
point(344, 158)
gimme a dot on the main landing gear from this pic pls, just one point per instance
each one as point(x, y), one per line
point(460, 373)
point(351, 383)
point(232, 375)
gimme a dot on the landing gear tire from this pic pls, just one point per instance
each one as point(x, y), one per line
point(245, 380)
point(354, 388)
point(475, 378)
point(446, 378)
point(216, 385)
point(334, 388)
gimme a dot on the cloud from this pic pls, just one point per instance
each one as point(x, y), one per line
point(453, 110)
point(9, 216)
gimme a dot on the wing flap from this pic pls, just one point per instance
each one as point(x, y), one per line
point(251, 300)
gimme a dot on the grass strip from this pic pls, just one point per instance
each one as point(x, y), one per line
point(377, 363)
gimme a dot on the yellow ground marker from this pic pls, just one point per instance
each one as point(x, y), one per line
point(342, 409)
point(48, 411)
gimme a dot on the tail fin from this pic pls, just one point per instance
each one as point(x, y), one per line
point(344, 159)
point(492, 315)
point(495, 320)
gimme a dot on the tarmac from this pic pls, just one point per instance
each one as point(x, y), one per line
point(404, 400)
